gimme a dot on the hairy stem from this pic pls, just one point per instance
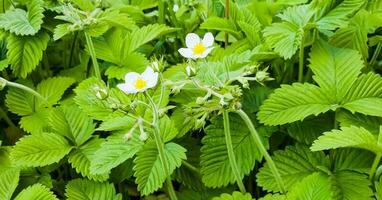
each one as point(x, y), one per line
point(374, 167)
point(376, 54)
point(161, 11)
point(262, 149)
point(231, 155)
point(301, 61)
point(160, 146)
point(23, 87)
point(89, 42)
point(191, 167)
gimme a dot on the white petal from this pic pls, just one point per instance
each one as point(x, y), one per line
point(206, 52)
point(127, 88)
point(131, 77)
point(147, 73)
point(185, 52)
point(208, 39)
point(192, 39)
point(152, 81)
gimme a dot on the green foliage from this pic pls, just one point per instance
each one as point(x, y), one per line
point(235, 196)
point(215, 166)
point(148, 167)
point(40, 150)
point(299, 80)
point(36, 191)
point(21, 22)
point(81, 189)
point(25, 53)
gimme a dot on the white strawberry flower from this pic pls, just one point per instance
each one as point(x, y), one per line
point(197, 47)
point(135, 82)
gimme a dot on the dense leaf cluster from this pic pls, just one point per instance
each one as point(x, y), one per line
point(287, 106)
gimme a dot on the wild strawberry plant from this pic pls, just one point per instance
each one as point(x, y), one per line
point(241, 100)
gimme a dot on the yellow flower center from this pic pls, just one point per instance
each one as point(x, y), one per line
point(140, 83)
point(199, 49)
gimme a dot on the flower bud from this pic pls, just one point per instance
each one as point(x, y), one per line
point(143, 136)
point(200, 100)
point(261, 75)
point(175, 8)
point(190, 71)
point(155, 66)
point(3, 83)
point(128, 136)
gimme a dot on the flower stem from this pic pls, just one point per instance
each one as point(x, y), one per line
point(25, 88)
point(89, 42)
point(231, 155)
point(262, 149)
point(373, 168)
point(160, 146)
point(161, 11)
point(301, 61)
point(226, 11)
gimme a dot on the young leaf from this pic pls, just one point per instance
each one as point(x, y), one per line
point(24, 53)
point(352, 136)
point(36, 191)
point(148, 167)
point(291, 103)
point(72, 123)
point(82, 189)
point(40, 150)
point(294, 164)
point(215, 166)
point(20, 22)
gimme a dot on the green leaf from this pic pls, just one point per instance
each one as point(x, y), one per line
point(167, 128)
point(79, 159)
point(143, 35)
point(298, 15)
point(308, 130)
point(221, 24)
point(36, 192)
point(235, 196)
point(370, 123)
point(215, 166)
point(53, 88)
point(365, 95)
point(20, 102)
point(36, 122)
point(339, 16)
point(82, 189)
point(357, 137)
point(149, 172)
point(134, 61)
point(24, 53)
point(40, 150)
point(349, 185)
point(114, 151)
point(284, 38)
point(274, 197)
point(72, 123)
point(294, 164)
point(358, 160)
point(335, 70)
point(293, 102)
point(313, 187)
point(21, 22)
point(9, 179)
